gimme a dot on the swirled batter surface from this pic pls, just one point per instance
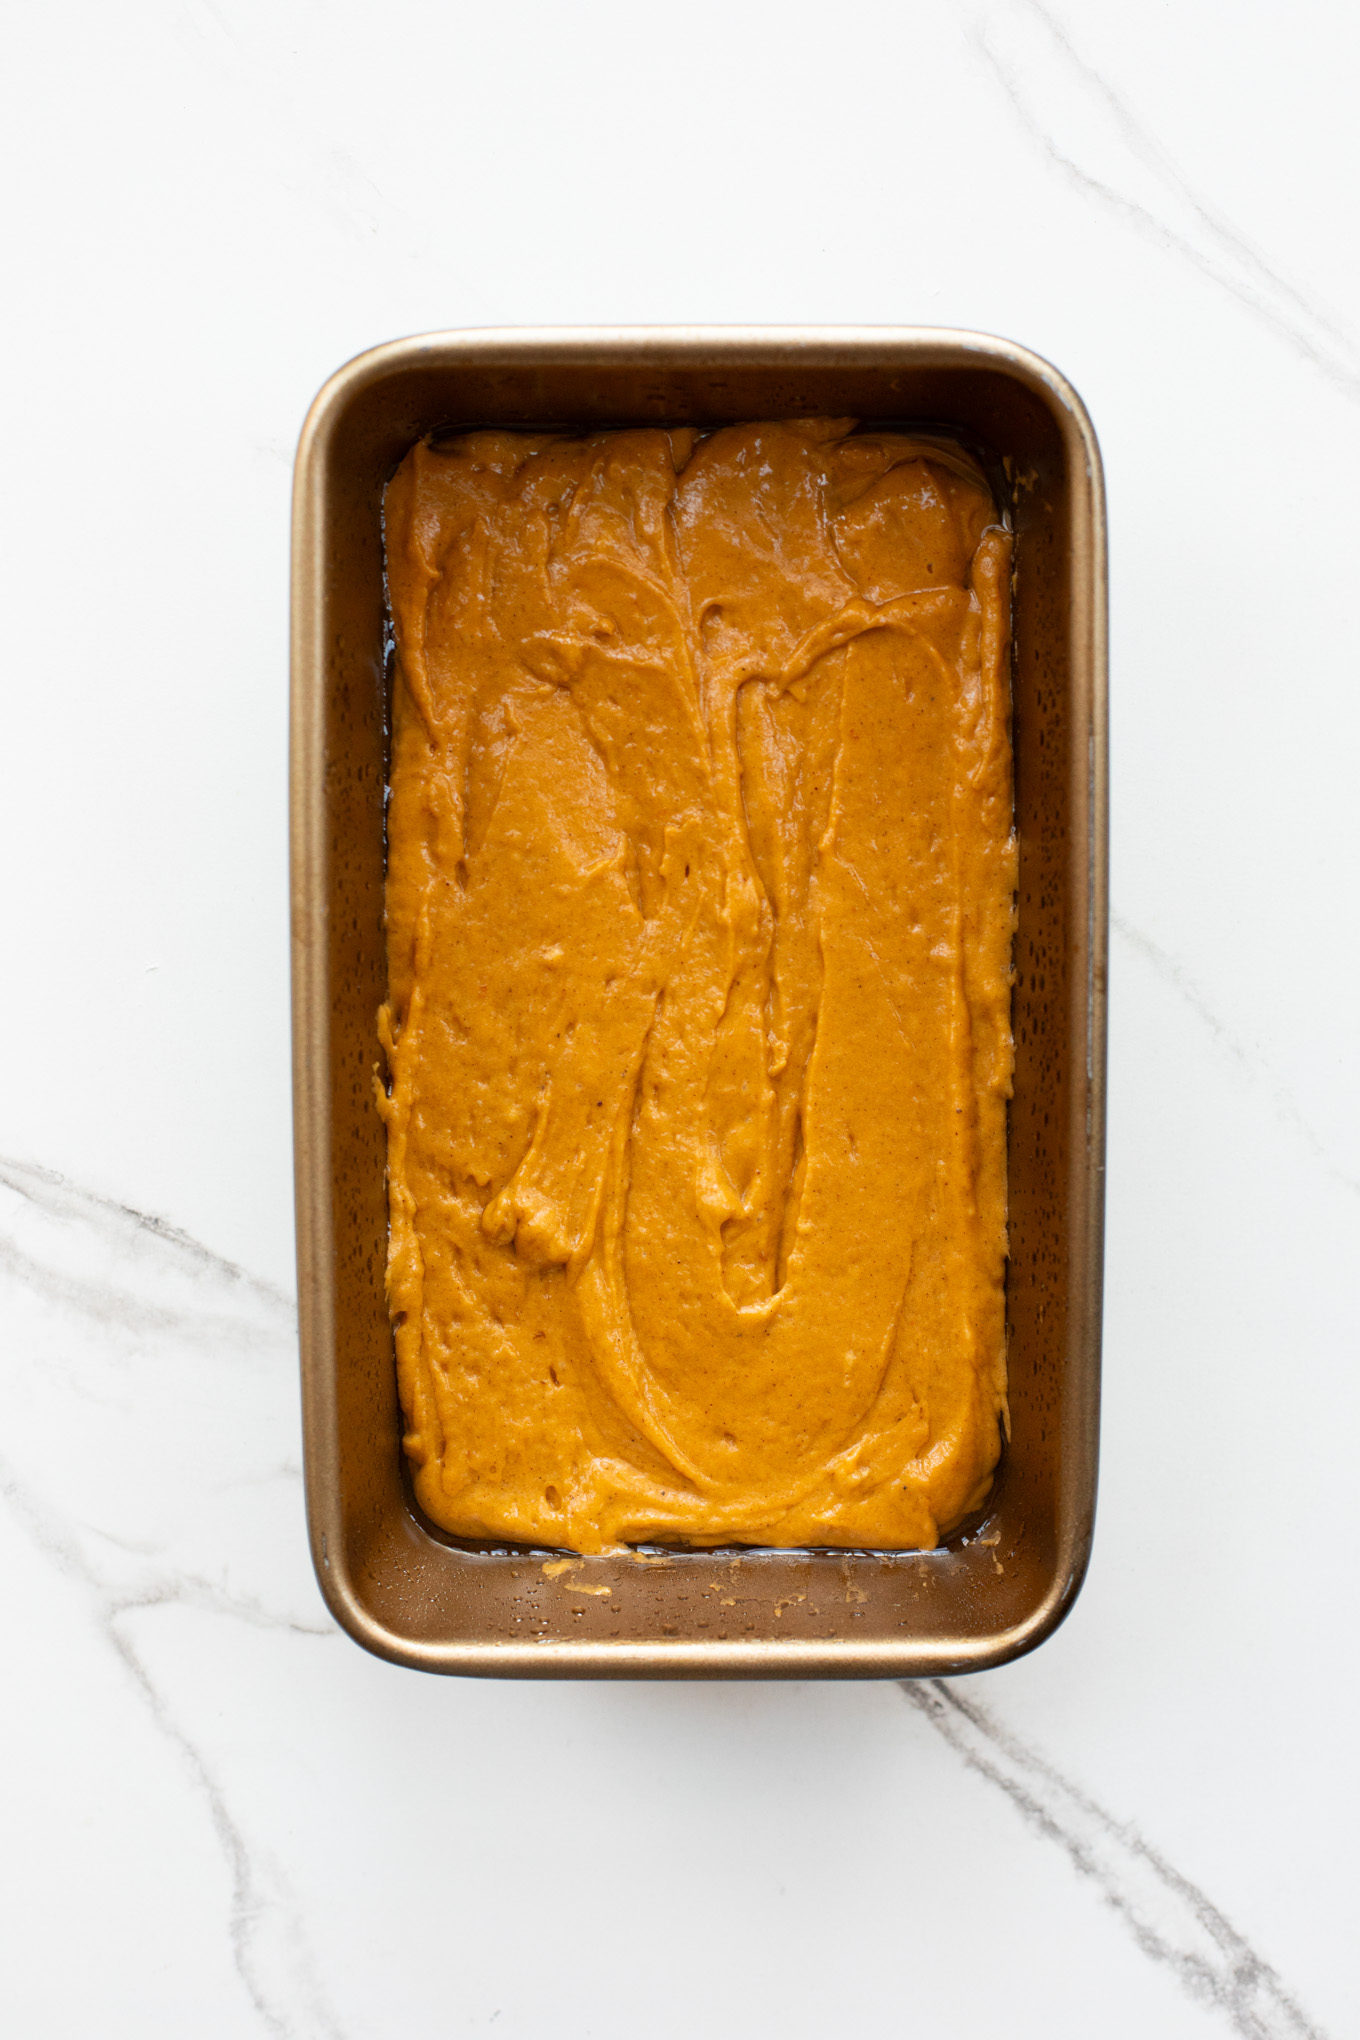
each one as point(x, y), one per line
point(700, 902)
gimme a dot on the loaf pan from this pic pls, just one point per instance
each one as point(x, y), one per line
point(400, 1587)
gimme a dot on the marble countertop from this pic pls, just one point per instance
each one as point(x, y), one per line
point(220, 1818)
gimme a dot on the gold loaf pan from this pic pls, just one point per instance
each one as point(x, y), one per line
point(400, 1587)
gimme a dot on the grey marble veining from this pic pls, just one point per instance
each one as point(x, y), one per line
point(1094, 139)
point(1245, 1059)
point(220, 1817)
point(157, 1333)
point(1171, 1921)
point(158, 1340)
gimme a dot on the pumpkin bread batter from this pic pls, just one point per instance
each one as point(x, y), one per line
point(700, 900)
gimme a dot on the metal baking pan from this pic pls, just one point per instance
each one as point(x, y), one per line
point(398, 1586)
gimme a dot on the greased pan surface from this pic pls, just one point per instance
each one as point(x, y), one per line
point(403, 1590)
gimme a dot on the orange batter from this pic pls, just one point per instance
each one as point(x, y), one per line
point(700, 901)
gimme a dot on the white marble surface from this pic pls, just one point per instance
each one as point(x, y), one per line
point(219, 1818)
